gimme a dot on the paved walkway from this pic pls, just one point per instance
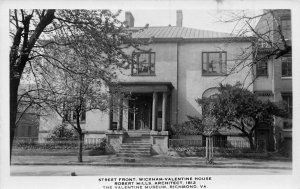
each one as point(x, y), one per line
point(154, 161)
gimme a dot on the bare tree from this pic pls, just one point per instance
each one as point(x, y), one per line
point(71, 96)
point(268, 33)
point(46, 39)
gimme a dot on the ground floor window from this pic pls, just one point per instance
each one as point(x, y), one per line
point(286, 67)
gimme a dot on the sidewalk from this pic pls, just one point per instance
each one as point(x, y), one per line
point(154, 161)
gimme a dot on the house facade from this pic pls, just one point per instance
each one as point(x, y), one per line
point(160, 88)
point(274, 78)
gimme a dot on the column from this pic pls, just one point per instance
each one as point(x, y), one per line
point(154, 111)
point(164, 111)
point(110, 112)
point(120, 125)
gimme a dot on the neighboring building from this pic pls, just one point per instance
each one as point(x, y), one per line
point(180, 65)
point(274, 78)
point(28, 122)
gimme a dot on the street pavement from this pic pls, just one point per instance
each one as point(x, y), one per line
point(44, 170)
point(153, 161)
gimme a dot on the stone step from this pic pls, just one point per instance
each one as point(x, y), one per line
point(137, 143)
point(125, 154)
point(135, 146)
point(135, 152)
point(139, 134)
point(135, 149)
point(137, 139)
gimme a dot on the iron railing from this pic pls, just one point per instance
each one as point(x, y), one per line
point(33, 141)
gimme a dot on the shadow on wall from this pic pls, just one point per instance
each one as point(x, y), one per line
point(187, 110)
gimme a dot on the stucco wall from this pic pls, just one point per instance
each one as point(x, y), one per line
point(165, 71)
point(265, 83)
point(96, 121)
point(47, 123)
point(192, 83)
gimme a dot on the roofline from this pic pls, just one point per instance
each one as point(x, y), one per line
point(130, 83)
point(192, 40)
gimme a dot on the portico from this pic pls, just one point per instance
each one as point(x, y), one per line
point(145, 109)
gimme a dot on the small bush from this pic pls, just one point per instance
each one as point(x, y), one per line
point(191, 127)
point(62, 133)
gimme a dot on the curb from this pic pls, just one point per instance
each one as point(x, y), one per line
point(149, 165)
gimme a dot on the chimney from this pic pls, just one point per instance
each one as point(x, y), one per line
point(179, 18)
point(129, 19)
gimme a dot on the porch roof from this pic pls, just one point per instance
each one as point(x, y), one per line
point(146, 87)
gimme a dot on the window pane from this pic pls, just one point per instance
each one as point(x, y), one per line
point(224, 63)
point(143, 63)
point(286, 67)
point(286, 28)
point(204, 63)
point(288, 99)
point(214, 63)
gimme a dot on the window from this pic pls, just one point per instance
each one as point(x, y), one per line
point(71, 116)
point(264, 43)
point(143, 63)
point(286, 66)
point(287, 125)
point(286, 29)
point(288, 99)
point(214, 63)
point(262, 66)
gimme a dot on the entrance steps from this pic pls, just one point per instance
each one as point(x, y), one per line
point(136, 145)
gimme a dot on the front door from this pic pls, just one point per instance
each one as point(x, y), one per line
point(140, 111)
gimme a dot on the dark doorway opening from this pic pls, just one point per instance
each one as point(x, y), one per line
point(140, 111)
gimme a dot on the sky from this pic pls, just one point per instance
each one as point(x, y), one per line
point(199, 19)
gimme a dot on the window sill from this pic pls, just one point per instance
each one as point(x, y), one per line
point(81, 122)
point(262, 75)
point(214, 74)
point(287, 130)
point(143, 75)
point(286, 78)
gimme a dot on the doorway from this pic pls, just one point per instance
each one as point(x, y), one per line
point(140, 112)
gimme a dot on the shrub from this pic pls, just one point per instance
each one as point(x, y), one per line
point(191, 127)
point(62, 133)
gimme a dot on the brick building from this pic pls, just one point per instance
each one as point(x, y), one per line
point(274, 76)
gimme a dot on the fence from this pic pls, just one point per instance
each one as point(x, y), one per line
point(32, 142)
point(260, 145)
point(216, 142)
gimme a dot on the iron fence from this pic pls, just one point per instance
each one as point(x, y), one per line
point(216, 143)
point(186, 142)
point(33, 142)
point(260, 145)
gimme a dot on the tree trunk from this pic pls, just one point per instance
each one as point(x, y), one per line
point(251, 142)
point(209, 150)
point(80, 137)
point(80, 147)
point(14, 85)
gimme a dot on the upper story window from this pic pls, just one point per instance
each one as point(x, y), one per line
point(262, 66)
point(264, 43)
point(286, 66)
point(143, 63)
point(286, 28)
point(214, 63)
